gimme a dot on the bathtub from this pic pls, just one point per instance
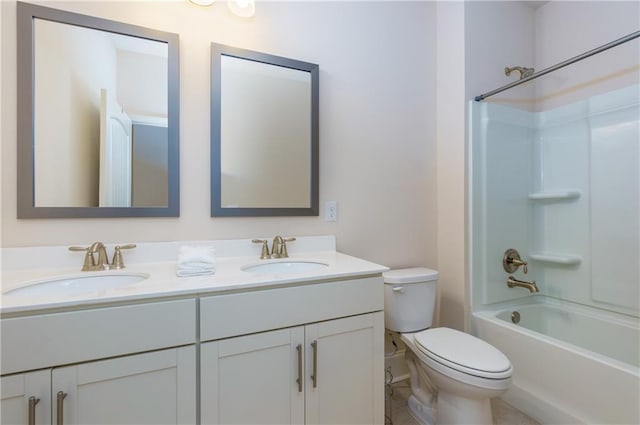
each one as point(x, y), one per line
point(572, 364)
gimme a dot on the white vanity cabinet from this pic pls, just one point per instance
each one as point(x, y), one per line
point(322, 363)
point(150, 388)
point(138, 380)
point(26, 398)
point(345, 376)
point(233, 348)
point(252, 379)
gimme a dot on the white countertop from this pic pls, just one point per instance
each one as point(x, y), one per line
point(162, 281)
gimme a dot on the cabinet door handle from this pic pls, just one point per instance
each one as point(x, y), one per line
point(60, 407)
point(299, 380)
point(32, 410)
point(314, 376)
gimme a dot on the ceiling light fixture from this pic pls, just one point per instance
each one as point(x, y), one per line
point(203, 2)
point(242, 8)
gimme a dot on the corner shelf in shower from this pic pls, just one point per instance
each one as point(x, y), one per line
point(552, 257)
point(560, 195)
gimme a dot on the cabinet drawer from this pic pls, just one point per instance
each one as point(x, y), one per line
point(48, 340)
point(228, 315)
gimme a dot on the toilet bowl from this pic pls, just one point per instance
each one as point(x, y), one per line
point(453, 374)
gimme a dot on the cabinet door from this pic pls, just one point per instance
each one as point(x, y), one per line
point(17, 390)
point(345, 371)
point(152, 388)
point(253, 379)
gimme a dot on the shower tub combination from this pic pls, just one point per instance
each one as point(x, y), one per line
point(571, 205)
point(572, 364)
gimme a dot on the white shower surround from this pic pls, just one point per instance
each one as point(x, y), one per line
point(563, 187)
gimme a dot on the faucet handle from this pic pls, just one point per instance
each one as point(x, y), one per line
point(89, 259)
point(78, 248)
point(284, 253)
point(511, 261)
point(118, 262)
point(265, 248)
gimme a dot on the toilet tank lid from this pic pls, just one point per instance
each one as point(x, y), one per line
point(410, 275)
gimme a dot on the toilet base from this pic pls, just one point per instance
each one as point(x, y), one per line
point(453, 409)
point(422, 413)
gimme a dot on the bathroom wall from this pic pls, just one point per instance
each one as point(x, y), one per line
point(471, 49)
point(499, 34)
point(472, 54)
point(377, 124)
point(568, 28)
point(452, 289)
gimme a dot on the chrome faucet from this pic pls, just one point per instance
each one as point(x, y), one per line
point(531, 286)
point(102, 262)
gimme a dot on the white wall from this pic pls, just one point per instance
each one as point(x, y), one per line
point(472, 54)
point(568, 28)
point(452, 288)
point(377, 124)
point(141, 86)
point(498, 34)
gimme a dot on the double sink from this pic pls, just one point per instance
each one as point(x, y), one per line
point(88, 282)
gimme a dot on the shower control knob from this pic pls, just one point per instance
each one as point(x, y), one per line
point(511, 261)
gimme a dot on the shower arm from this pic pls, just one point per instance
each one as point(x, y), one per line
point(574, 59)
point(524, 72)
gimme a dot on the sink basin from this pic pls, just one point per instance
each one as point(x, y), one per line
point(78, 283)
point(284, 267)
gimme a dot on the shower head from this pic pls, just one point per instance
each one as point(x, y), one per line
point(524, 72)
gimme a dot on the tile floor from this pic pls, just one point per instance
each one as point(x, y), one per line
point(503, 414)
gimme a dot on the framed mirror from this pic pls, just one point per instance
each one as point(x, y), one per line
point(98, 117)
point(264, 134)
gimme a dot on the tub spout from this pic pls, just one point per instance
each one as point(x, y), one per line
point(531, 286)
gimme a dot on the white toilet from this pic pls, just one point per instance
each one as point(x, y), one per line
point(453, 374)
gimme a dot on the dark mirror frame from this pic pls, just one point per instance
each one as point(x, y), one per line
point(26, 13)
point(217, 52)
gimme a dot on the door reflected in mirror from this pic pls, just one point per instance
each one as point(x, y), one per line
point(98, 117)
point(95, 94)
point(264, 134)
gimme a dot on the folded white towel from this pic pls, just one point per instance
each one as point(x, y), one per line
point(196, 261)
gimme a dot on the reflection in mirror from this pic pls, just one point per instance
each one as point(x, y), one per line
point(264, 134)
point(99, 135)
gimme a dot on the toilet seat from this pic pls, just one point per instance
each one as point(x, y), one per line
point(463, 353)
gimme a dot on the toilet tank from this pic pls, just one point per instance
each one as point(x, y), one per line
point(409, 299)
